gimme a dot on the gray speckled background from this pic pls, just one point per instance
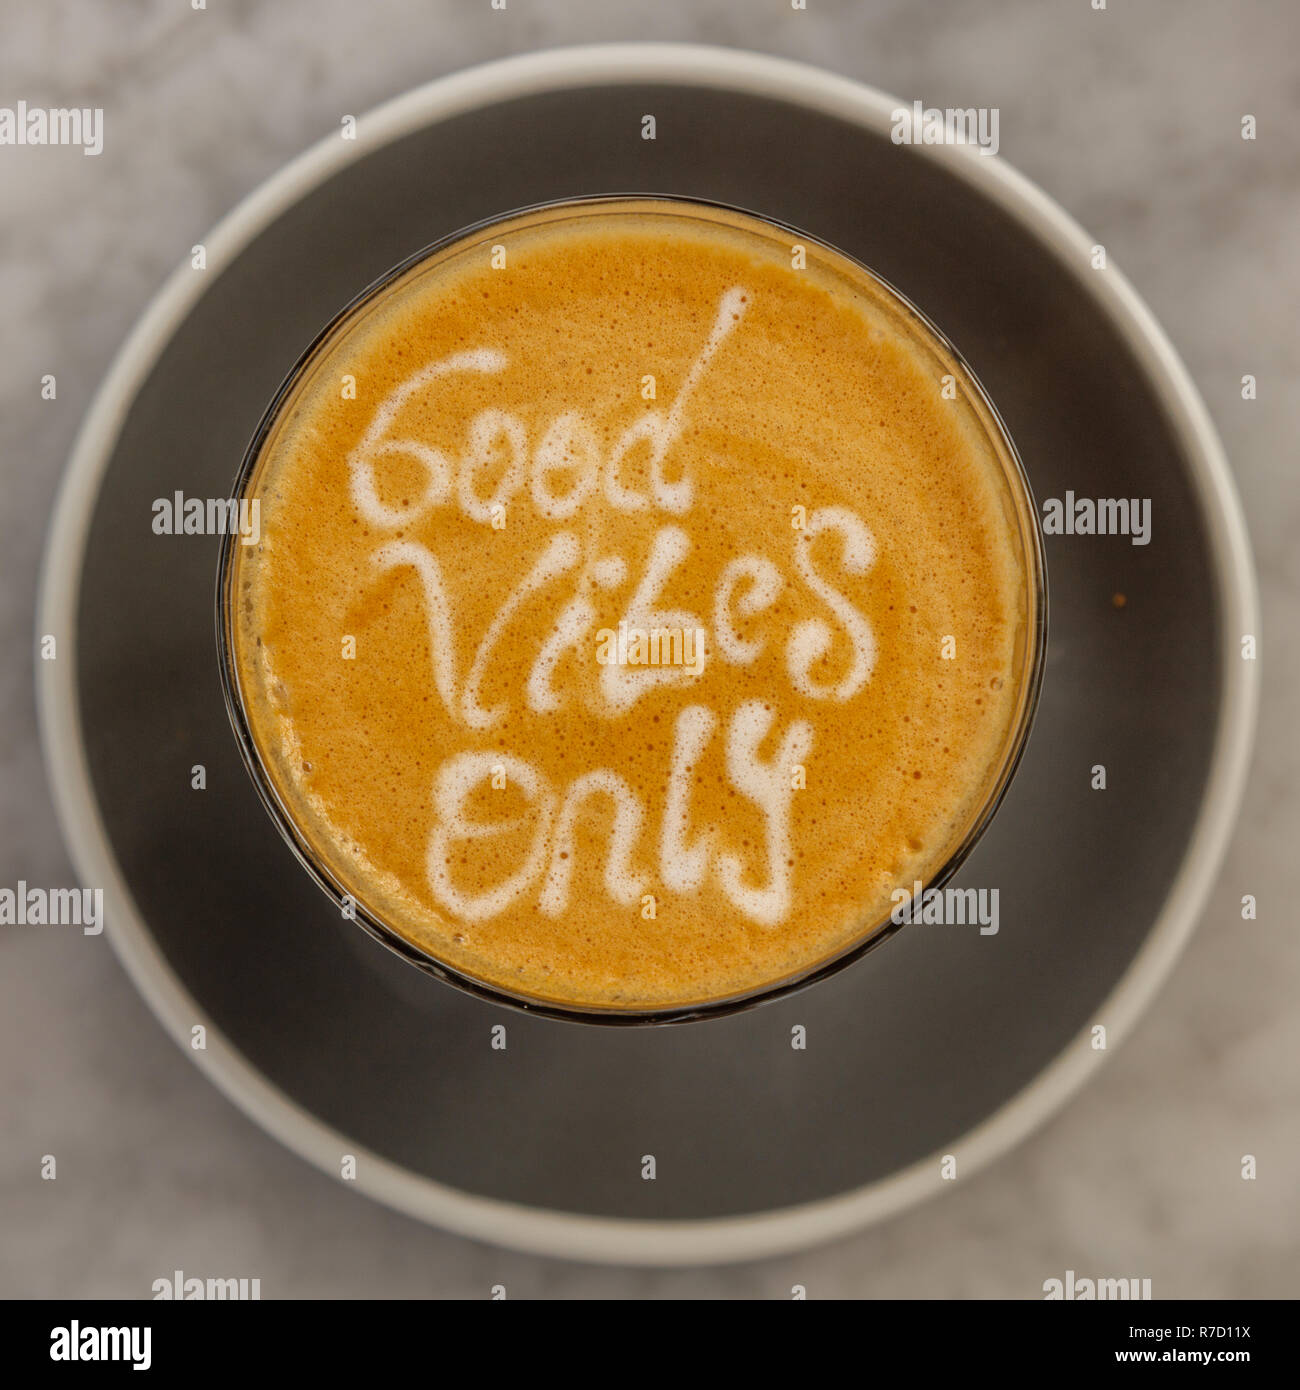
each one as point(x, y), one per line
point(1130, 118)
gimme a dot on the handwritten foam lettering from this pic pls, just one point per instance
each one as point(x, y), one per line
point(456, 781)
point(683, 863)
point(769, 785)
point(812, 638)
point(622, 883)
point(560, 555)
point(374, 446)
point(622, 686)
point(661, 431)
point(565, 473)
point(763, 585)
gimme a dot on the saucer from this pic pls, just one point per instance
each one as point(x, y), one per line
point(945, 1042)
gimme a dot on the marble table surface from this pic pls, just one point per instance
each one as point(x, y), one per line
point(1130, 117)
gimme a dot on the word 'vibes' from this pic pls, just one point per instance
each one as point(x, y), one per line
point(639, 657)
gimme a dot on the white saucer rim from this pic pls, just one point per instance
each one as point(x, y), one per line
point(569, 1235)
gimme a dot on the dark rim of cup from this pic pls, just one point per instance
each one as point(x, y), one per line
point(1030, 686)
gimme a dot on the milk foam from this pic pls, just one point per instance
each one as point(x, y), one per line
point(647, 828)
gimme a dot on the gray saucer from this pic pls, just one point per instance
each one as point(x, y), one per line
point(923, 1047)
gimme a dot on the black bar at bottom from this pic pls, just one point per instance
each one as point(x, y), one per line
point(1048, 1338)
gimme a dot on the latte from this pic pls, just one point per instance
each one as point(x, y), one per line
point(643, 594)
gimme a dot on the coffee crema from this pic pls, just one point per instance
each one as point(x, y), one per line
point(642, 596)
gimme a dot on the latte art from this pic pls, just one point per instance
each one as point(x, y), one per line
point(633, 609)
point(761, 893)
